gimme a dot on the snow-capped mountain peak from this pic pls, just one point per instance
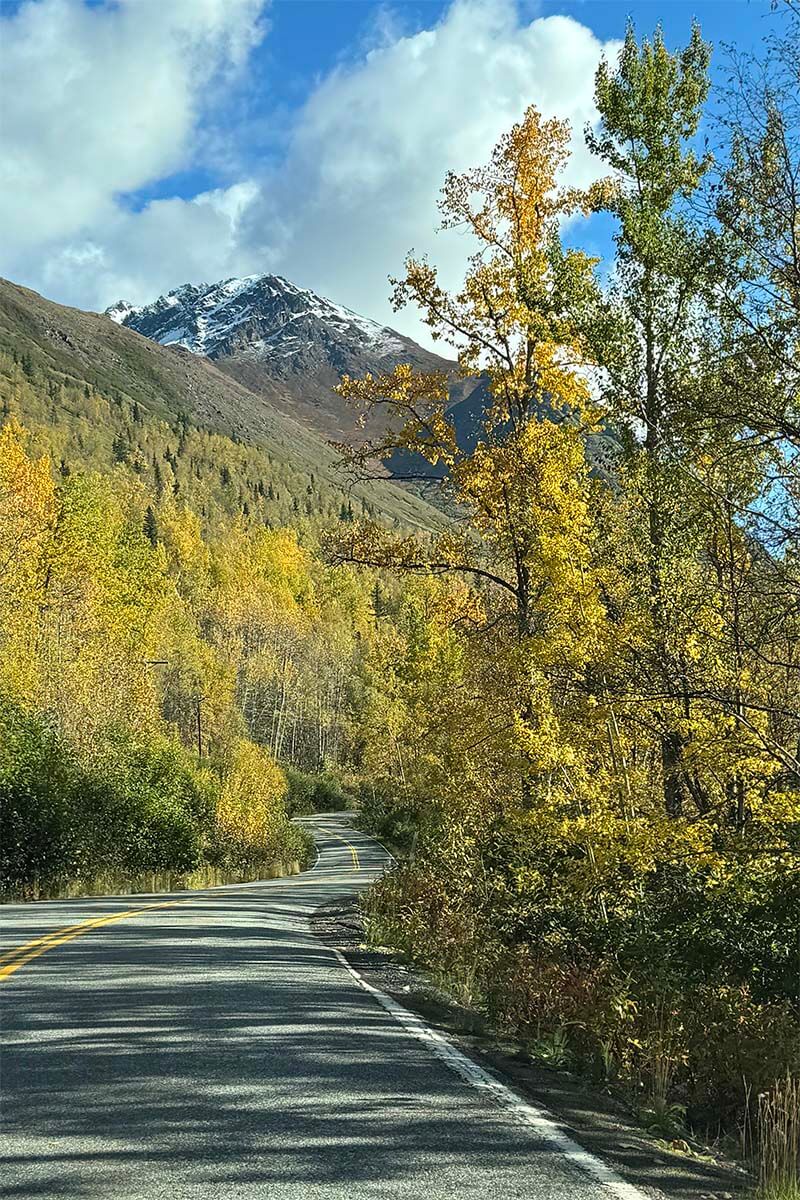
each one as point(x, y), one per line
point(120, 311)
point(265, 315)
point(285, 343)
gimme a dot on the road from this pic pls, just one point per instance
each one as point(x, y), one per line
point(205, 1044)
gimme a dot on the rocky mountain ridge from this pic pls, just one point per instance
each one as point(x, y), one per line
point(257, 312)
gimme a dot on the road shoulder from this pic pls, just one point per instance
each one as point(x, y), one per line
point(598, 1122)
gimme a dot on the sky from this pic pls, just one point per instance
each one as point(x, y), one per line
point(149, 143)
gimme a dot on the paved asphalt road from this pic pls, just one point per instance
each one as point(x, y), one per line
point(212, 1047)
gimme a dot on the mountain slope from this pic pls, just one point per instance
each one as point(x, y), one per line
point(73, 374)
point(284, 343)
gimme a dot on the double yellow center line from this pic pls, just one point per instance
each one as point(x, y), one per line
point(353, 852)
point(12, 960)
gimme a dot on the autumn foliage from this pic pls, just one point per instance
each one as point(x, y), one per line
point(594, 690)
point(574, 706)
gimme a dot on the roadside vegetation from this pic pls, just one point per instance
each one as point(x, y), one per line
point(594, 695)
point(179, 671)
point(125, 752)
point(173, 684)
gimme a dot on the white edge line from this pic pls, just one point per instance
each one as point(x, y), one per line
point(383, 848)
point(520, 1110)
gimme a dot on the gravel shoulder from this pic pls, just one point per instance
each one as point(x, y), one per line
point(598, 1121)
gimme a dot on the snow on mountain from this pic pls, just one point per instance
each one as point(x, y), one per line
point(265, 315)
point(286, 344)
point(120, 311)
point(290, 347)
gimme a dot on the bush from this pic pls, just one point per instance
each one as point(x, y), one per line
point(299, 793)
point(147, 807)
point(309, 793)
point(329, 795)
point(251, 828)
point(389, 815)
point(692, 1043)
point(136, 808)
point(41, 836)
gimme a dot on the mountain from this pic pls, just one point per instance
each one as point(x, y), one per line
point(264, 315)
point(97, 394)
point(284, 343)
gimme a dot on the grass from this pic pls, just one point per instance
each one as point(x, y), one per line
point(117, 883)
point(778, 1141)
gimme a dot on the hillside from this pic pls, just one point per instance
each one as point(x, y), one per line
point(99, 394)
point(290, 347)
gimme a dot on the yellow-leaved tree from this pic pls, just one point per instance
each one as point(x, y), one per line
point(524, 490)
point(27, 515)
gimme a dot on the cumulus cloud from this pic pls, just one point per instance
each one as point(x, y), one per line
point(356, 187)
point(99, 101)
point(137, 256)
point(372, 144)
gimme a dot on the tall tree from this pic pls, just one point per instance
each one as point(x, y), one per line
point(524, 489)
point(647, 328)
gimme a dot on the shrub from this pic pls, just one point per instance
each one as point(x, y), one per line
point(309, 793)
point(41, 836)
point(134, 808)
point(299, 793)
point(389, 814)
point(329, 795)
point(688, 1047)
point(250, 824)
point(146, 807)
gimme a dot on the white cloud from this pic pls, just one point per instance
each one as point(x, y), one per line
point(373, 142)
point(139, 255)
point(103, 100)
point(357, 187)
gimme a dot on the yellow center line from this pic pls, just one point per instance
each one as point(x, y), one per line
point(81, 926)
point(353, 851)
point(12, 960)
point(20, 955)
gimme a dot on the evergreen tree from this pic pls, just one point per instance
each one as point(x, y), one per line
point(150, 525)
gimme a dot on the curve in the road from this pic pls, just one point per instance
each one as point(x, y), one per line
point(207, 1045)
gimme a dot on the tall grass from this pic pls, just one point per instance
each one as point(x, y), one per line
point(662, 1114)
point(778, 1140)
point(118, 883)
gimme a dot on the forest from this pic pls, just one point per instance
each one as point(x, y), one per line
point(573, 706)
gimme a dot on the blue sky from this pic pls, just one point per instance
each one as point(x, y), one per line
point(310, 37)
point(152, 142)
